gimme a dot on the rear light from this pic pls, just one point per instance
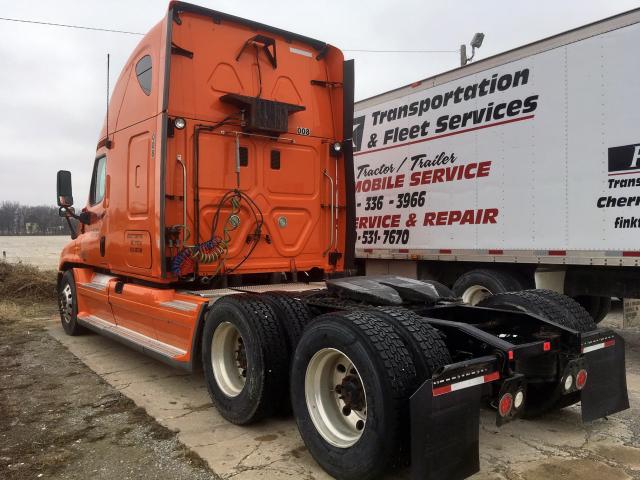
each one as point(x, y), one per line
point(518, 400)
point(546, 346)
point(581, 379)
point(505, 405)
point(568, 383)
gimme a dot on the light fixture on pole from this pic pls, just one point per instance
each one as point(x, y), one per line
point(476, 42)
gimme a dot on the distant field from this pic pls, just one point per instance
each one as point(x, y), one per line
point(41, 251)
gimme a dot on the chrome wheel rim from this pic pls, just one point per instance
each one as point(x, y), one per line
point(336, 398)
point(475, 294)
point(66, 304)
point(229, 359)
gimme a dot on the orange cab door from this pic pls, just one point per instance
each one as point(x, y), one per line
point(93, 243)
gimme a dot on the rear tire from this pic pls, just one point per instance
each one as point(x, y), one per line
point(293, 316)
point(425, 343)
point(292, 313)
point(245, 358)
point(386, 374)
point(581, 320)
point(476, 285)
point(68, 305)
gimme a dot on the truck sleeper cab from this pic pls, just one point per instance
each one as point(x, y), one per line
point(220, 231)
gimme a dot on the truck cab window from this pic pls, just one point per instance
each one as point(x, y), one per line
point(143, 72)
point(98, 180)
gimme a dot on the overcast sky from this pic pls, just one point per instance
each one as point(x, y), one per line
point(52, 80)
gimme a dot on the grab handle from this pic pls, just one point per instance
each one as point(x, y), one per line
point(332, 208)
point(185, 230)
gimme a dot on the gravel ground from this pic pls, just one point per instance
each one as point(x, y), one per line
point(58, 419)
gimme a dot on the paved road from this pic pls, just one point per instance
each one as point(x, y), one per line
point(557, 446)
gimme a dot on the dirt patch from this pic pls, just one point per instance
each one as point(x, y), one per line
point(58, 419)
point(575, 470)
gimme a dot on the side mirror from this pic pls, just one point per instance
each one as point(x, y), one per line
point(64, 190)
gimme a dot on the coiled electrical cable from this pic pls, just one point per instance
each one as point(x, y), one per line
point(216, 249)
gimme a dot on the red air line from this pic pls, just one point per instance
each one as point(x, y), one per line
point(435, 137)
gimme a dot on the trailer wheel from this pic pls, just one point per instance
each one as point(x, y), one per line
point(476, 285)
point(245, 358)
point(350, 384)
point(68, 305)
point(598, 307)
point(425, 343)
point(603, 311)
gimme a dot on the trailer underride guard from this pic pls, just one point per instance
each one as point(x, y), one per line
point(220, 232)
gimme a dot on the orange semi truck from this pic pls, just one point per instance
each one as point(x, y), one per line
point(219, 233)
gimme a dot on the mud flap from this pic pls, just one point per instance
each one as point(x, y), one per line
point(605, 392)
point(445, 433)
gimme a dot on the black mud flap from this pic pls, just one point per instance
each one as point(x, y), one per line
point(605, 392)
point(445, 433)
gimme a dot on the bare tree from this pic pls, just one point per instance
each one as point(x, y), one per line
point(44, 219)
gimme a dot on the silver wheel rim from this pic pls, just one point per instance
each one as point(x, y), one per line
point(336, 398)
point(66, 304)
point(474, 294)
point(228, 359)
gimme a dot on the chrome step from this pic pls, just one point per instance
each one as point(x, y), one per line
point(98, 282)
point(129, 336)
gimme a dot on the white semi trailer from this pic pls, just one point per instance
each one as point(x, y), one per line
point(521, 169)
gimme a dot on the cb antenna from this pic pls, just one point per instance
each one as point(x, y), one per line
point(107, 143)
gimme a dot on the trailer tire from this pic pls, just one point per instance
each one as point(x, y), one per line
point(603, 311)
point(245, 358)
point(598, 307)
point(385, 371)
point(425, 343)
point(476, 285)
point(68, 305)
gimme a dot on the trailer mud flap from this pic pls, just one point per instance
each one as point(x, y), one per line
point(445, 433)
point(605, 392)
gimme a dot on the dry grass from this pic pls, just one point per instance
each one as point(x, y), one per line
point(19, 281)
